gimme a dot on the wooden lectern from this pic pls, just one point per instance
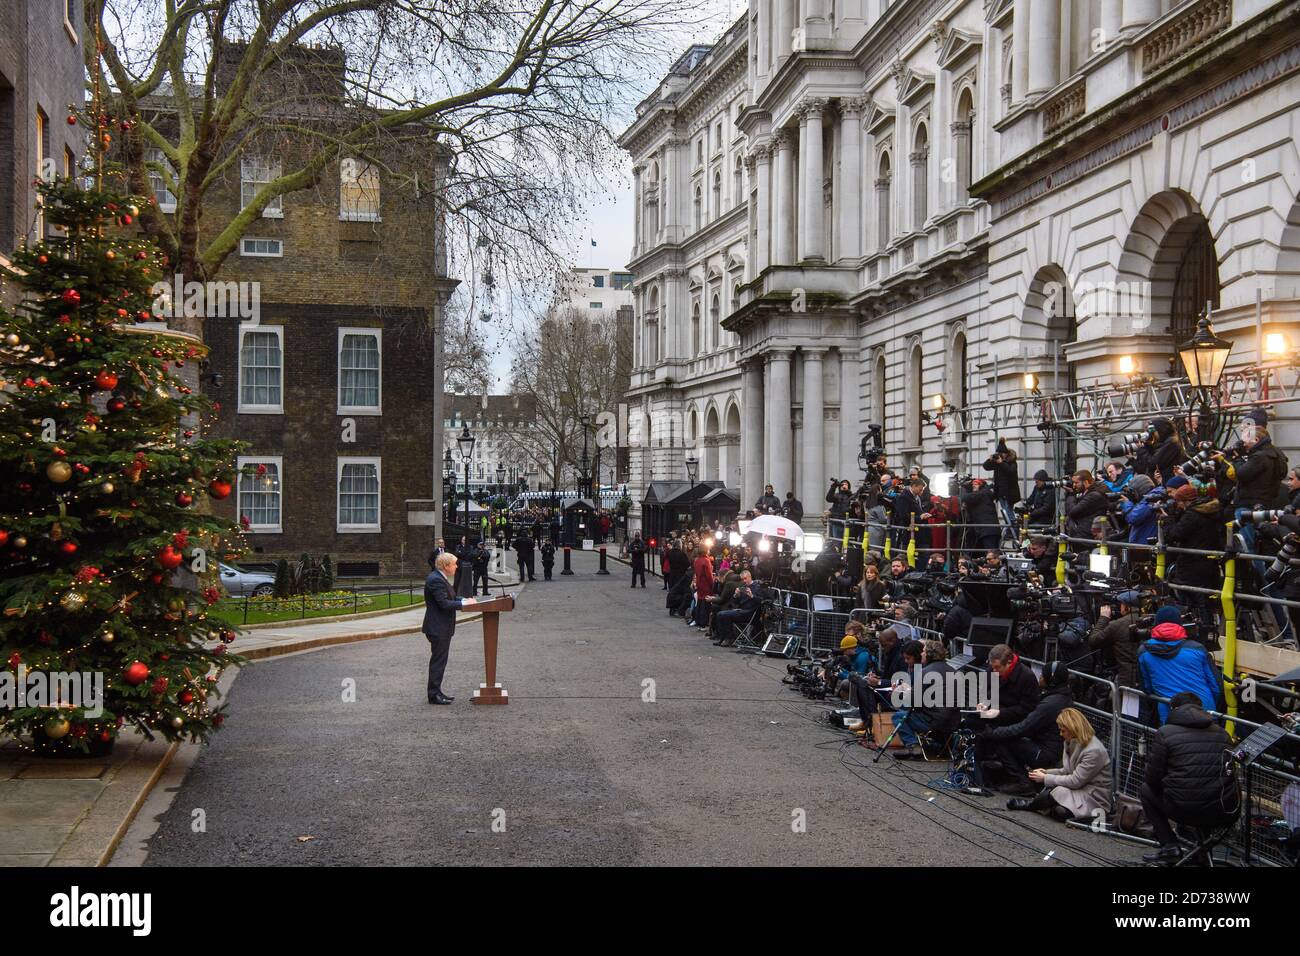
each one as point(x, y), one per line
point(491, 692)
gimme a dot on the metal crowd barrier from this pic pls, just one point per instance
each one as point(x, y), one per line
point(1274, 811)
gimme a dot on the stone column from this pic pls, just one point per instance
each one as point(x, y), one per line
point(884, 199)
point(764, 31)
point(961, 134)
point(1020, 50)
point(751, 435)
point(636, 210)
point(1138, 13)
point(812, 218)
point(762, 253)
point(801, 187)
point(850, 411)
point(1112, 19)
point(920, 188)
point(783, 206)
point(1044, 45)
point(814, 425)
point(780, 462)
point(849, 188)
point(786, 13)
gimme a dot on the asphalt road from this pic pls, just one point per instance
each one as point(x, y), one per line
point(579, 769)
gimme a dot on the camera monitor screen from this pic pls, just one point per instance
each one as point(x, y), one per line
point(985, 632)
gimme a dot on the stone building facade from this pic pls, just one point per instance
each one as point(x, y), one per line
point(41, 75)
point(942, 196)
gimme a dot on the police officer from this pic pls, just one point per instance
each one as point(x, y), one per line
point(524, 554)
point(481, 558)
point(636, 552)
point(548, 558)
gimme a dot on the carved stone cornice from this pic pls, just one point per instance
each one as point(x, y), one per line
point(854, 105)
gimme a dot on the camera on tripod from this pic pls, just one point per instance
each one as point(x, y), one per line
point(1043, 602)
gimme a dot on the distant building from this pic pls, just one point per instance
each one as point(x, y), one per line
point(41, 75)
point(588, 290)
point(492, 420)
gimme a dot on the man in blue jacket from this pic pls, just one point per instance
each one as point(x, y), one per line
point(1170, 663)
point(440, 607)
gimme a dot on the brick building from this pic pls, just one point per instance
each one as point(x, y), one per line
point(41, 73)
point(334, 378)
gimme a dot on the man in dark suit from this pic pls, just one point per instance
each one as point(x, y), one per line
point(440, 607)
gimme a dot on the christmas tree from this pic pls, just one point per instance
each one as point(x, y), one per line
point(108, 557)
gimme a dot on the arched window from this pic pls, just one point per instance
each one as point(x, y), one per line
point(883, 200)
point(695, 329)
point(717, 192)
point(963, 131)
point(653, 218)
point(699, 202)
point(1195, 283)
point(920, 177)
point(915, 400)
point(650, 343)
point(738, 183)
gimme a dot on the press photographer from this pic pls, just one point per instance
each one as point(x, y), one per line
point(979, 508)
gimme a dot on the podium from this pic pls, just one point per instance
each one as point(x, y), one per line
point(491, 692)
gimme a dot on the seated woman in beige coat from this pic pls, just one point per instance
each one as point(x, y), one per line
point(1082, 786)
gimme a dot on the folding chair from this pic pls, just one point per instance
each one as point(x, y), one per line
point(750, 637)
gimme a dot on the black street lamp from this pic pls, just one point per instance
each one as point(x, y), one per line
point(466, 443)
point(448, 484)
point(692, 470)
point(501, 477)
point(1204, 358)
point(585, 422)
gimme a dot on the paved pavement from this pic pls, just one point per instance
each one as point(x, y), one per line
point(580, 768)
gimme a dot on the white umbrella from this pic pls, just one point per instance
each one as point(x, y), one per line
point(776, 526)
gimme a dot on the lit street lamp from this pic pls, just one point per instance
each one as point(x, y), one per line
point(1204, 358)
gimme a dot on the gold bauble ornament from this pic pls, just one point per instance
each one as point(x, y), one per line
point(20, 542)
point(58, 471)
point(177, 723)
point(108, 487)
point(12, 339)
point(108, 637)
point(56, 728)
point(73, 601)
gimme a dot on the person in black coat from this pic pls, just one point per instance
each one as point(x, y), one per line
point(1041, 504)
point(1188, 776)
point(1033, 740)
point(524, 554)
point(769, 503)
point(840, 499)
point(548, 558)
point(481, 558)
point(1089, 502)
point(440, 607)
point(908, 510)
point(465, 567)
point(793, 508)
point(980, 509)
point(1018, 690)
point(679, 564)
point(1006, 475)
point(1199, 525)
point(1161, 453)
point(636, 554)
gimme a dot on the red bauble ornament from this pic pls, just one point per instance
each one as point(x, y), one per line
point(156, 578)
point(72, 120)
point(116, 404)
point(170, 558)
point(4, 537)
point(105, 736)
point(71, 297)
point(185, 697)
point(68, 547)
point(184, 500)
point(106, 381)
point(219, 650)
point(135, 674)
point(43, 259)
point(159, 686)
point(219, 489)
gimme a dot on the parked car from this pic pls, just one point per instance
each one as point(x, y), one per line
point(240, 583)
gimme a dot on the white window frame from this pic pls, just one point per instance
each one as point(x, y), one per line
point(377, 409)
point(244, 253)
point(247, 409)
point(349, 213)
point(274, 169)
point(339, 526)
point(155, 155)
point(240, 463)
